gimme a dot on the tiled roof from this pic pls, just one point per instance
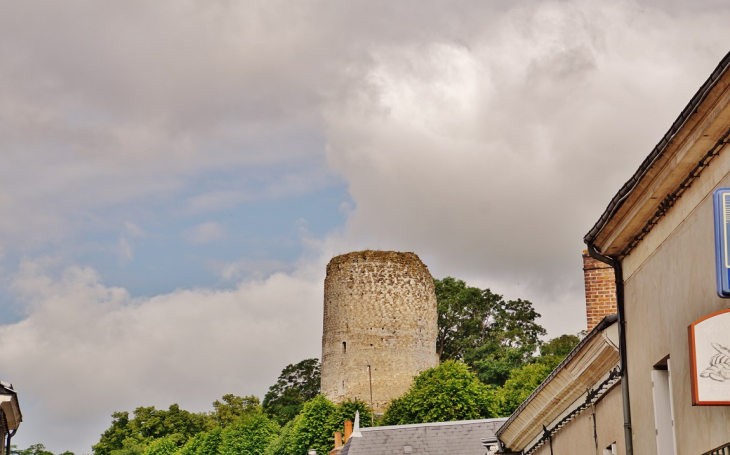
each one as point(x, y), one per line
point(462, 437)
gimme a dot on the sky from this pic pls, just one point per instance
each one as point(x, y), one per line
point(175, 176)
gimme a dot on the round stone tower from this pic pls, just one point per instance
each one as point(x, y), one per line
point(379, 310)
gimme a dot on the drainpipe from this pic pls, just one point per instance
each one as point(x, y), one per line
point(10, 436)
point(618, 270)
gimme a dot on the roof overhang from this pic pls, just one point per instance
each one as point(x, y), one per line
point(11, 408)
point(564, 390)
point(693, 140)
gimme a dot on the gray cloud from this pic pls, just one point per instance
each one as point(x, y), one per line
point(485, 136)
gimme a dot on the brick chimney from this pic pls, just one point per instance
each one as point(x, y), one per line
point(348, 429)
point(600, 290)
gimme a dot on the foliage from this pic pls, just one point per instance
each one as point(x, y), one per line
point(250, 435)
point(207, 443)
point(283, 445)
point(518, 387)
point(232, 408)
point(128, 436)
point(525, 379)
point(297, 384)
point(491, 335)
point(447, 392)
point(315, 427)
point(347, 409)
point(34, 449)
point(560, 346)
point(162, 446)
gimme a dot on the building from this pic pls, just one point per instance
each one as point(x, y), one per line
point(658, 232)
point(380, 326)
point(465, 437)
point(10, 416)
point(578, 408)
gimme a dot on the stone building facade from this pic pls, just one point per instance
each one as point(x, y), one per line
point(379, 310)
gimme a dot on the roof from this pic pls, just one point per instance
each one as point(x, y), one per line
point(9, 405)
point(462, 437)
point(588, 363)
point(671, 167)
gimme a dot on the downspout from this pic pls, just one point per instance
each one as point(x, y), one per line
point(618, 271)
point(10, 436)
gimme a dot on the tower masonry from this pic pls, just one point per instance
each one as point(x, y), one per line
point(379, 310)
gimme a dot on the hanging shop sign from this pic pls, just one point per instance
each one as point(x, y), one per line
point(709, 359)
point(722, 235)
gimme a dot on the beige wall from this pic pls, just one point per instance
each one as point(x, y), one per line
point(673, 286)
point(576, 438)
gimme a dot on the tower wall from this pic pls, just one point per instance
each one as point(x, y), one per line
point(379, 309)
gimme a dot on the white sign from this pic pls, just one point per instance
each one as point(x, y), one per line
point(709, 358)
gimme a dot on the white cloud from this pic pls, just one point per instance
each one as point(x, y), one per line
point(88, 349)
point(205, 233)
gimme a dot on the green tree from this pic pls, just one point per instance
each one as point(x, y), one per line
point(33, 449)
point(521, 383)
point(233, 407)
point(128, 436)
point(249, 435)
point(560, 346)
point(206, 443)
point(113, 437)
point(162, 446)
point(447, 392)
point(492, 335)
point(284, 444)
point(347, 409)
point(297, 384)
point(315, 427)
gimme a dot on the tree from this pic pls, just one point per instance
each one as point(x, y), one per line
point(560, 346)
point(284, 444)
point(233, 407)
point(249, 435)
point(33, 449)
point(315, 427)
point(347, 410)
point(491, 335)
point(447, 392)
point(162, 446)
point(297, 384)
point(524, 380)
point(521, 383)
point(206, 443)
point(131, 436)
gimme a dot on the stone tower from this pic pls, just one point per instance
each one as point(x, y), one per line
point(379, 309)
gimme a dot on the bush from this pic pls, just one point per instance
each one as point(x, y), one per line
point(250, 435)
point(445, 393)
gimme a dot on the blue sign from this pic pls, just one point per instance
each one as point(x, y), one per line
point(722, 234)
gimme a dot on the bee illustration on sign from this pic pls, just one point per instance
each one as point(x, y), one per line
point(719, 369)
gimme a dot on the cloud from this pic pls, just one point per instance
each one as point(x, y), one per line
point(205, 233)
point(88, 349)
point(491, 155)
point(485, 136)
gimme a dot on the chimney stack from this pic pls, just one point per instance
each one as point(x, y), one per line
point(348, 429)
point(600, 283)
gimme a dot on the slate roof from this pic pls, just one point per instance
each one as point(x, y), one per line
point(463, 437)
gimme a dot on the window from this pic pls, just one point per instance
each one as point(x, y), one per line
point(610, 450)
point(344, 347)
point(663, 408)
